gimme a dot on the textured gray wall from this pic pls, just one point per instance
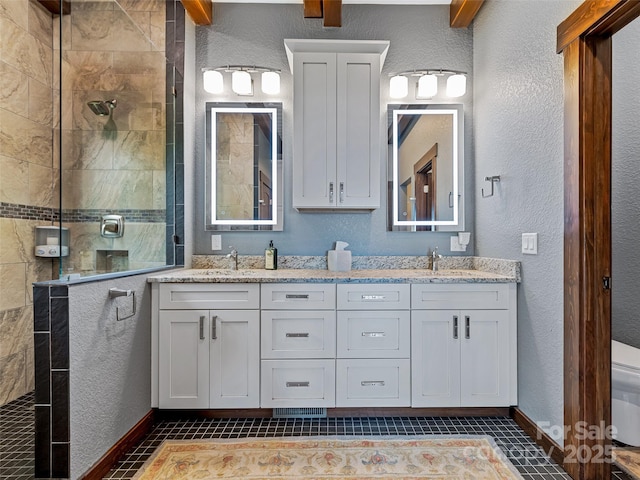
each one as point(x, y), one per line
point(625, 207)
point(110, 365)
point(518, 121)
point(253, 34)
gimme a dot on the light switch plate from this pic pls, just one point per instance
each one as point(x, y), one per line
point(216, 242)
point(530, 243)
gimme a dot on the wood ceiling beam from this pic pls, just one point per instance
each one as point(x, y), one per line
point(462, 12)
point(200, 11)
point(53, 6)
point(332, 13)
point(312, 8)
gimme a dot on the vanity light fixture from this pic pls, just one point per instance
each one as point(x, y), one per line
point(427, 83)
point(398, 86)
point(241, 79)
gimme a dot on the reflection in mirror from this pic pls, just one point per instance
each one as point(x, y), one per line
point(425, 167)
point(244, 166)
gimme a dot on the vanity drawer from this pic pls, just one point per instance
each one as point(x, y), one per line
point(374, 334)
point(298, 383)
point(298, 296)
point(227, 296)
point(458, 296)
point(298, 334)
point(383, 296)
point(373, 383)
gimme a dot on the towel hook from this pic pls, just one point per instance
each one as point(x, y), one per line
point(493, 179)
point(118, 292)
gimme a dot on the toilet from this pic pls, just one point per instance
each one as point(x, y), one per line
point(625, 392)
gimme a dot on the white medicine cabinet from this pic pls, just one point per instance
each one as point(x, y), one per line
point(336, 144)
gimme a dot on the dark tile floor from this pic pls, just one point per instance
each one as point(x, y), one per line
point(16, 437)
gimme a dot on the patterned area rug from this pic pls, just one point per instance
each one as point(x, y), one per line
point(321, 458)
point(628, 459)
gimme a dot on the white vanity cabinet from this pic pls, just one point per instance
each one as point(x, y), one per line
point(208, 345)
point(336, 145)
point(463, 345)
point(298, 345)
point(351, 344)
point(372, 366)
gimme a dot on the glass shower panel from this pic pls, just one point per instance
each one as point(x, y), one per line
point(113, 135)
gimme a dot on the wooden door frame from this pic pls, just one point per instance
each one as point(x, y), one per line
point(585, 40)
point(428, 159)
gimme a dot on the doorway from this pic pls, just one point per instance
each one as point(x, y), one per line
point(585, 40)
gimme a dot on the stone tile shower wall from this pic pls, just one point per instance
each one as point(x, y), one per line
point(116, 164)
point(28, 189)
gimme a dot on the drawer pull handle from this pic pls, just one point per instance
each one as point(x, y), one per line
point(214, 333)
point(455, 327)
point(373, 334)
point(297, 295)
point(372, 383)
point(296, 335)
point(372, 297)
point(202, 327)
point(297, 384)
point(467, 327)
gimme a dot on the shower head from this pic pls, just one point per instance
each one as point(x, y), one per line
point(102, 108)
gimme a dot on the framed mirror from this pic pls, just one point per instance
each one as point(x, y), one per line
point(243, 166)
point(426, 167)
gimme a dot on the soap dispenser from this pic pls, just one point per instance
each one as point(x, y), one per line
point(271, 257)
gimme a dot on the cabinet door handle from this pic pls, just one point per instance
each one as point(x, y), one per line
point(330, 192)
point(372, 383)
point(450, 199)
point(297, 295)
point(455, 327)
point(297, 384)
point(214, 333)
point(296, 335)
point(373, 334)
point(341, 192)
point(372, 297)
point(202, 327)
point(467, 327)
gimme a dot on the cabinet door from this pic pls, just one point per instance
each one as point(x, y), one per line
point(484, 376)
point(435, 358)
point(314, 136)
point(184, 359)
point(358, 122)
point(235, 358)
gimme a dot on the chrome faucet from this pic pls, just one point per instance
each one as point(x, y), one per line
point(435, 259)
point(234, 255)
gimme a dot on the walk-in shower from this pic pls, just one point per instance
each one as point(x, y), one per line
point(102, 108)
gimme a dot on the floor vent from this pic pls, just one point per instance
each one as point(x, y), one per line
point(299, 412)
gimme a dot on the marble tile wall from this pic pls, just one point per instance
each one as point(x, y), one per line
point(234, 166)
point(27, 187)
point(114, 163)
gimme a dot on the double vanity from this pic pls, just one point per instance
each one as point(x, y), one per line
point(382, 336)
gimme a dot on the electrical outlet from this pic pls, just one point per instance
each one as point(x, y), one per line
point(530, 243)
point(216, 242)
point(455, 245)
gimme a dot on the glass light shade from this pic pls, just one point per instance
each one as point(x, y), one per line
point(241, 82)
point(456, 85)
point(427, 86)
point(398, 86)
point(271, 83)
point(212, 81)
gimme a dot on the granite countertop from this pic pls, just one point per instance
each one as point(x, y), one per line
point(365, 270)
